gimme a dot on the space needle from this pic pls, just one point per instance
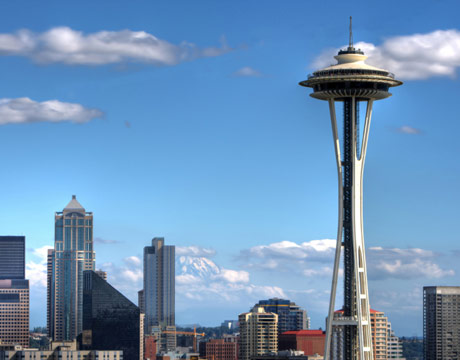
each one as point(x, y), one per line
point(354, 83)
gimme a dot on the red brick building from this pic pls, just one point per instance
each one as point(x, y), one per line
point(219, 349)
point(309, 341)
point(150, 347)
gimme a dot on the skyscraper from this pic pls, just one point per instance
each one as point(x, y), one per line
point(258, 333)
point(110, 320)
point(290, 316)
point(73, 253)
point(14, 292)
point(159, 292)
point(441, 322)
point(12, 258)
point(353, 83)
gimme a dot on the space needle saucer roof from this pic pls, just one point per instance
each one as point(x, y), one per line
point(351, 76)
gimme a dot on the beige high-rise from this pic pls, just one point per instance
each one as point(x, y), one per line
point(379, 329)
point(258, 333)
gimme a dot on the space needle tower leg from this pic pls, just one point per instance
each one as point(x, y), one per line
point(352, 82)
point(355, 320)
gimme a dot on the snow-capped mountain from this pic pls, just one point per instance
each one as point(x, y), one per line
point(199, 267)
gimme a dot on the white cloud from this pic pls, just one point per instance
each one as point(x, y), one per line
point(25, 110)
point(408, 130)
point(247, 71)
point(36, 270)
point(412, 57)
point(67, 46)
point(398, 263)
point(132, 260)
point(194, 251)
point(233, 276)
point(285, 255)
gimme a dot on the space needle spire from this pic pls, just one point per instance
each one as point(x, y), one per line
point(354, 83)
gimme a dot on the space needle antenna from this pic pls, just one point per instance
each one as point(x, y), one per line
point(351, 35)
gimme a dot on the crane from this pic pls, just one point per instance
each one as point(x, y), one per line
point(187, 333)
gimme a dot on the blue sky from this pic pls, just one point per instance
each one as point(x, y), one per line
point(184, 120)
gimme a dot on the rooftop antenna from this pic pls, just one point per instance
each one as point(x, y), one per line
point(351, 35)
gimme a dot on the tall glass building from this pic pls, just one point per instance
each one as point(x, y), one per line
point(110, 320)
point(290, 316)
point(73, 253)
point(159, 291)
point(12, 259)
point(14, 292)
point(441, 322)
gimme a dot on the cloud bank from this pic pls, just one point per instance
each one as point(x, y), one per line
point(25, 110)
point(411, 57)
point(315, 259)
point(64, 45)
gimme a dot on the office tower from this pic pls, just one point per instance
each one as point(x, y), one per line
point(290, 316)
point(110, 320)
point(12, 258)
point(352, 83)
point(311, 342)
point(50, 293)
point(73, 254)
point(159, 293)
point(258, 333)
point(14, 292)
point(441, 322)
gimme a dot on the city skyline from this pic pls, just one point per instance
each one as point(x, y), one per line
point(214, 147)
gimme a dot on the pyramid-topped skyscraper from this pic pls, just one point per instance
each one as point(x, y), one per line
point(73, 253)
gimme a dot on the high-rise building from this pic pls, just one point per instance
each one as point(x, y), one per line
point(14, 292)
point(394, 345)
point(50, 294)
point(258, 333)
point(354, 84)
point(110, 320)
point(12, 258)
point(73, 253)
point(441, 322)
point(159, 293)
point(379, 330)
point(290, 316)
